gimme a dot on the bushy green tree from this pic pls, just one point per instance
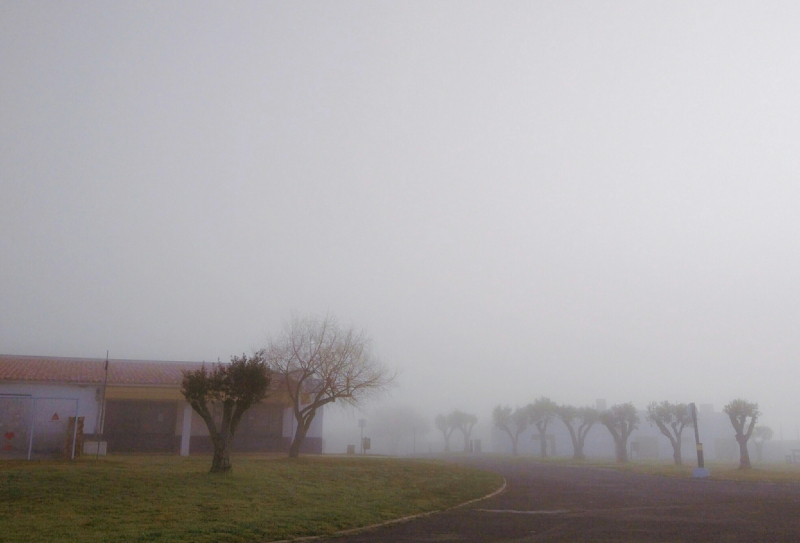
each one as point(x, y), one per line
point(511, 422)
point(465, 422)
point(442, 424)
point(620, 420)
point(236, 387)
point(671, 419)
point(542, 412)
point(743, 416)
point(584, 418)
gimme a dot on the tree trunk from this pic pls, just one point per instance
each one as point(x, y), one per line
point(577, 447)
point(578, 452)
point(744, 456)
point(577, 443)
point(676, 451)
point(221, 463)
point(676, 454)
point(297, 442)
point(622, 450)
point(514, 441)
point(543, 441)
point(759, 451)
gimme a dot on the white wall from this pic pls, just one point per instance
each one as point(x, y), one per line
point(85, 394)
point(316, 425)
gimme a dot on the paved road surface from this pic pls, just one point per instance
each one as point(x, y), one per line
point(545, 503)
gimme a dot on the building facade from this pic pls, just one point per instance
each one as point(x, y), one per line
point(133, 407)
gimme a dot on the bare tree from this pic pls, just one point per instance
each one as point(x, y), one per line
point(761, 434)
point(739, 411)
point(443, 425)
point(322, 362)
point(621, 420)
point(542, 412)
point(671, 419)
point(236, 386)
point(512, 423)
point(465, 422)
point(585, 418)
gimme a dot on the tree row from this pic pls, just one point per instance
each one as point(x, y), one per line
point(619, 420)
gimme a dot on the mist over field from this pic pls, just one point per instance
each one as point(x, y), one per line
point(570, 199)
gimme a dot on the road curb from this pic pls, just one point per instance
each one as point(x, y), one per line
point(400, 520)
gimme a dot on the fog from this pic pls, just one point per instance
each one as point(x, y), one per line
point(580, 200)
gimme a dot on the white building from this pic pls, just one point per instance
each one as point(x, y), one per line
point(144, 409)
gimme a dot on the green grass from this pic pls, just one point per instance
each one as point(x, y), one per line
point(720, 471)
point(769, 473)
point(174, 499)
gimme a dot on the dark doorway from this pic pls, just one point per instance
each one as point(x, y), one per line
point(261, 429)
point(140, 426)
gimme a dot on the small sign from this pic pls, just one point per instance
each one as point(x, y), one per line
point(54, 417)
point(10, 435)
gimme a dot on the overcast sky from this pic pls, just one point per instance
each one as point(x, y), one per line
point(574, 199)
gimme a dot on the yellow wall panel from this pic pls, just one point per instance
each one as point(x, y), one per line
point(143, 393)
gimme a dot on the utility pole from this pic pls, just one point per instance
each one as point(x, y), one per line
point(102, 411)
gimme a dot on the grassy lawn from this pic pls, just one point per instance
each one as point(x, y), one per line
point(167, 498)
point(760, 472)
point(769, 473)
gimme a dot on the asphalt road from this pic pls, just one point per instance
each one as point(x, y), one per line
point(545, 502)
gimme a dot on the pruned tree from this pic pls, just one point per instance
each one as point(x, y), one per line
point(761, 434)
point(235, 387)
point(542, 412)
point(322, 362)
point(465, 422)
point(671, 419)
point(512, 423)
point(739, 411)
point(620, 420)
point(442, 424)
point(584, 418)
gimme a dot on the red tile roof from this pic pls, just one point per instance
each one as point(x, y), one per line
point(51, 369)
